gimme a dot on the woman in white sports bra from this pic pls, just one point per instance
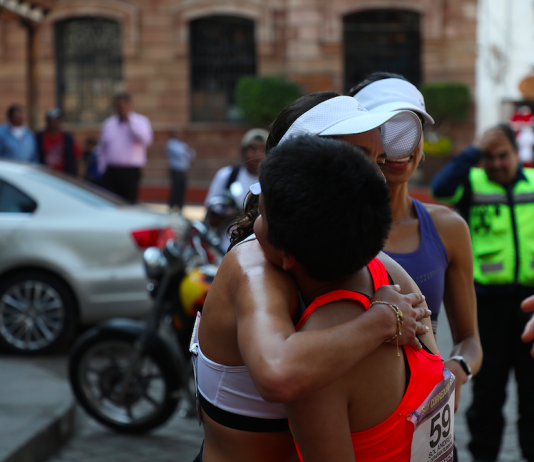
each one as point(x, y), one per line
point(249, 313)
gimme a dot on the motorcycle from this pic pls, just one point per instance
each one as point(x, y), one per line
point(130, 375)
point(222, 210)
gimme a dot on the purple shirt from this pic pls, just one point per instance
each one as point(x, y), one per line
point(124, 143)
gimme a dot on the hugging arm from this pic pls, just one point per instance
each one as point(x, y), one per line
point(285, 364)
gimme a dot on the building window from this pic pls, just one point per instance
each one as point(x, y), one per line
point(221, 50)
point(382, 40)
point(89, 68)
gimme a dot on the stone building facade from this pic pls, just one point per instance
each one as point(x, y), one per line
point(161, 51)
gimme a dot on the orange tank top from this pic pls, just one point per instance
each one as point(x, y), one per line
point(390, 440)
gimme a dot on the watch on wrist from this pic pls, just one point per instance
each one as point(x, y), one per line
point(465, 366)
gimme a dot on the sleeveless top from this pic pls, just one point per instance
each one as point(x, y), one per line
point(391, 440)
point(427, 264)
point(228, 395)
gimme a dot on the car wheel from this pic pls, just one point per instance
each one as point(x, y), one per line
point(37, 313)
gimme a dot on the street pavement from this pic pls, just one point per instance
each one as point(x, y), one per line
point(510, 451)
point(177, 441)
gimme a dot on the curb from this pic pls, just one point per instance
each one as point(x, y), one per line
point(47, 440)
point(37, 411)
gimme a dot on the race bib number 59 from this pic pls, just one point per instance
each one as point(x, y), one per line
point(433, 438)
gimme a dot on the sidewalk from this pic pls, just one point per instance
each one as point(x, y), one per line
point(191, 212)
point(37, 412)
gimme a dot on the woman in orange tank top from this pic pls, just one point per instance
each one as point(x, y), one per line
point(381, 408)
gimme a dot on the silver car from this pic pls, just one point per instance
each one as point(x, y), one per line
point(70, 254)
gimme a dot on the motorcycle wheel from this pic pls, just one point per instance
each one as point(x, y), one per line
point(97, 366)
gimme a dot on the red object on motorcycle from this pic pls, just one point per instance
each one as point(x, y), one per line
point(145, 238)
point(212, 256)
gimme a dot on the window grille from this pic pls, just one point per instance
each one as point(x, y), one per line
point(382, 40)
point(89, 68)
point(222, 49)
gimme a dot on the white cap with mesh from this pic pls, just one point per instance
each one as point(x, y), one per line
point(392, 95)
point(344, 115)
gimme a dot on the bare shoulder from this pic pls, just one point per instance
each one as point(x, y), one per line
point(333, 314)
point(398, 274)
point(247, 266)
point(452, 228)
point(445, 218)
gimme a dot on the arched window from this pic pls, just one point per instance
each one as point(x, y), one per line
point(382, 40)
point(221, 50)
point(89, 67)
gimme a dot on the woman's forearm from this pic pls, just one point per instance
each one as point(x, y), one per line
point(286, 366)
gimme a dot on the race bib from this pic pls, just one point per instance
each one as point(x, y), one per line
point(433, 438)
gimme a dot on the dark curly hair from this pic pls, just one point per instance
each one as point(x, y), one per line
point(326, 204)
point(242, 227)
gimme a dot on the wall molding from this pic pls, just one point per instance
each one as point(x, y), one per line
point(124, 12)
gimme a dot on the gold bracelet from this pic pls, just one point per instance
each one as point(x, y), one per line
point(400, 320)
point(395, 309)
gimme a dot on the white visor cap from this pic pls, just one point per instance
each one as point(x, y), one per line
point(344, 115)
point(392, 95)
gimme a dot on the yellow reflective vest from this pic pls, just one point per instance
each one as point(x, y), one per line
point(501, 223)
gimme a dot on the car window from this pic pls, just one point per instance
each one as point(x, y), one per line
point(80, 189)
point(12, 200)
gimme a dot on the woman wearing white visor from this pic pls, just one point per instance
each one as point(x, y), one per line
point(431, 242)
point(247, 353)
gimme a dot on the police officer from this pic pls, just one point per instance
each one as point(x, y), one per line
point(498, 203)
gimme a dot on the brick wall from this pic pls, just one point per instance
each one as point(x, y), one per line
point(301, 39)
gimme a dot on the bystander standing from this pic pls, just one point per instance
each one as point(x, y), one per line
point(90, 161)
point(244, 174)
point(122, 148)
point(179, 155)
point(56, 148)
point(17, 141)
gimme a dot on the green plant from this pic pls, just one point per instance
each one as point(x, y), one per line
point(446, 101)
point(261, 99)
point(441, 146)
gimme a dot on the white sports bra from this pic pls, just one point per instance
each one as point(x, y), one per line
point(228, 395)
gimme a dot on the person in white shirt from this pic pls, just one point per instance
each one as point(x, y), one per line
point(179, 155)
point(243, 175)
